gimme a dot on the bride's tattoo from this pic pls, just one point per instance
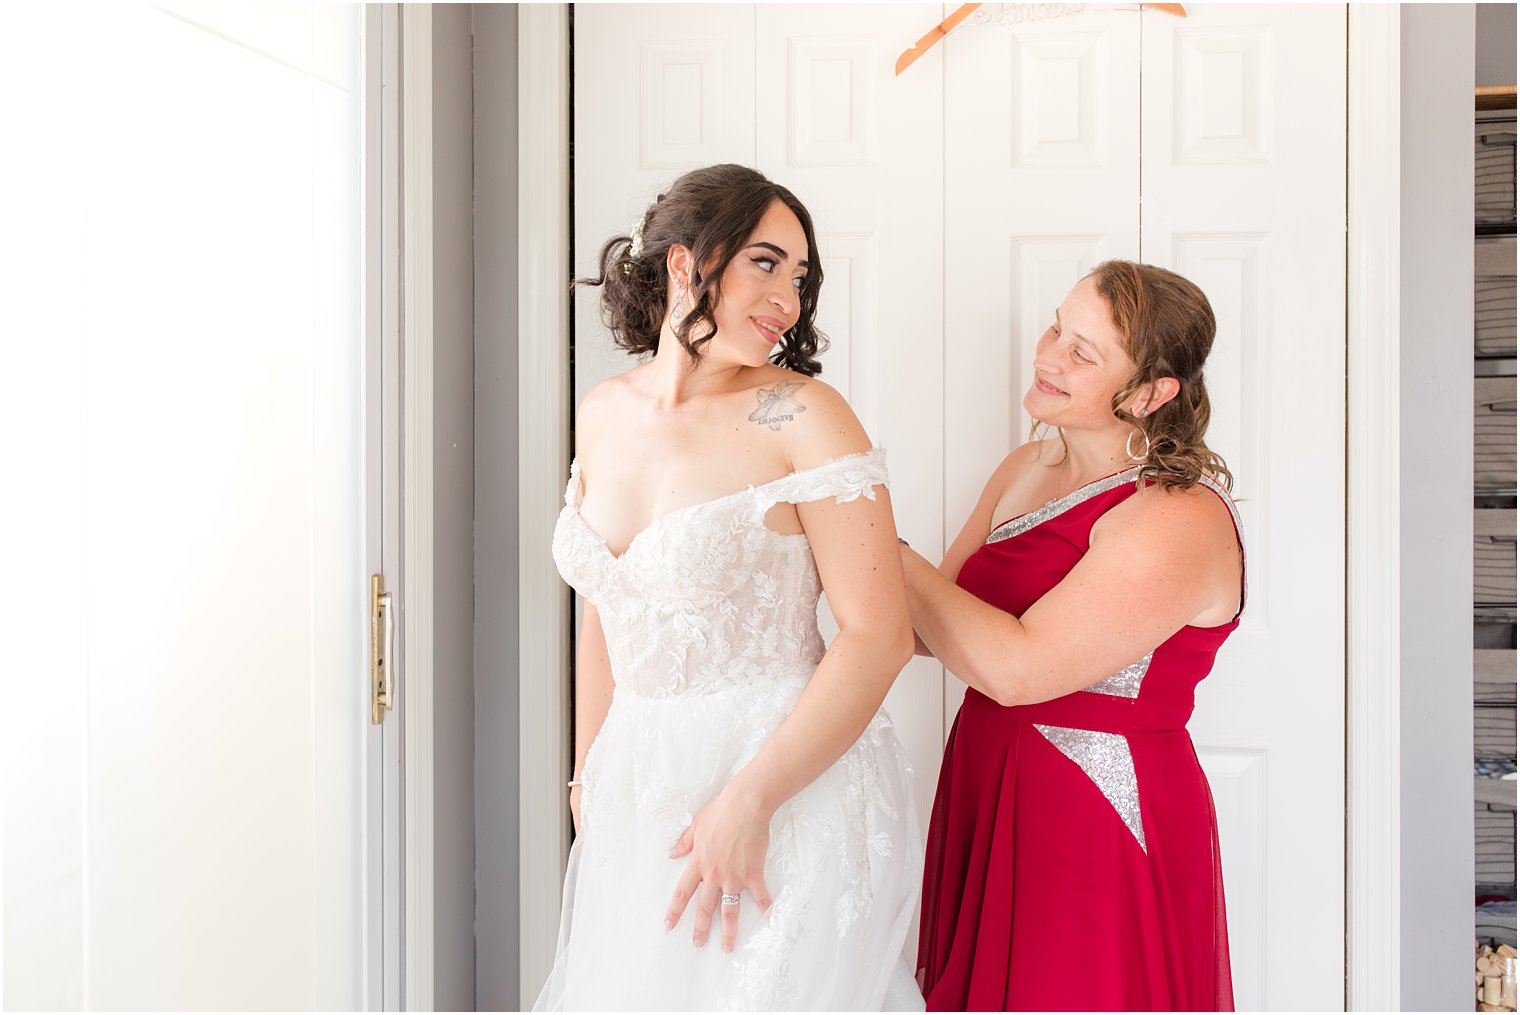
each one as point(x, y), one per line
point(777, 405)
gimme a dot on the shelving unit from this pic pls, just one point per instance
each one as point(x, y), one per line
point(1494, 611)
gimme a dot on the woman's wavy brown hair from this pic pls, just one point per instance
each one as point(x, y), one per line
point(712, 212)
point(1167, 327)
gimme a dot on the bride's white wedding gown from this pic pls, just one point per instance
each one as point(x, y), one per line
point(710, 619)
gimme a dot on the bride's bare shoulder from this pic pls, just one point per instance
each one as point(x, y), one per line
point(814, 420)
point(602, 406)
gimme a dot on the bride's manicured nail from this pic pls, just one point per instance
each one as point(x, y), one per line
point(670, 925)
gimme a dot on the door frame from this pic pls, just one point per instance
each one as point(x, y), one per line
point(1372, 485)
point(408, 774)
point(417, 634)
point(382, 878)
point(543, 455)
point(1372, 499)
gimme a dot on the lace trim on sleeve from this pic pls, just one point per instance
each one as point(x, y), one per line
point(845, 479)
point(573, 488)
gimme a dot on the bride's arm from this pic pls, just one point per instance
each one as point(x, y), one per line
point(855, 546)
point(593, 696)
point(593, 671)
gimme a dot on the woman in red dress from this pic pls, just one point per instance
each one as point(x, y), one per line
point(1073, 853)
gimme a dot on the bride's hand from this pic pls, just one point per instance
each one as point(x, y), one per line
point(727, 841)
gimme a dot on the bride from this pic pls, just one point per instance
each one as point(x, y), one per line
point(746, 836)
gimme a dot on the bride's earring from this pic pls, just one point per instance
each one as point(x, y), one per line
point(678, 309)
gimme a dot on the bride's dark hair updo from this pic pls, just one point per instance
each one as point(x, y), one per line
point(712, 212)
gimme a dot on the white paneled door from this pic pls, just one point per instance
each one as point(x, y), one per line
point(1243, 136)
point(1042, 181)
point(185, 762)
point(955, 206)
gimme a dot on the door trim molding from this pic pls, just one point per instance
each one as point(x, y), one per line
point(417, 510)
point(382, 877)
point(543, 332)
point(1372, 504)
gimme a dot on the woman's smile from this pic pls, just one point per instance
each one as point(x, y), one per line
point(1045, 386)
point(769, 328)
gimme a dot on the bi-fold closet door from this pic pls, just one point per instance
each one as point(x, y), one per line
point(955, 206)
point(1215, 146)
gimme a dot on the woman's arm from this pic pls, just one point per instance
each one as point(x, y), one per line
point(856, 550)
point(1156, 563)
point(593, 696)
point(974, 531)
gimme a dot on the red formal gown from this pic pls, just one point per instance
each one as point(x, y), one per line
point(1073, 857)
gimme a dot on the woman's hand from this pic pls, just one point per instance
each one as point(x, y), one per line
point(727, 842)
point(575, 807)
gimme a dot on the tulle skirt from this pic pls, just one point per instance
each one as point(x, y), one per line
point(843, 868)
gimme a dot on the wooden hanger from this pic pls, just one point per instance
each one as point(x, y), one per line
point(939, 31)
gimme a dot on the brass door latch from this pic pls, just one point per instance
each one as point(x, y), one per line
point(382, 637)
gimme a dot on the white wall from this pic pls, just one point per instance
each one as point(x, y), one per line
point(1435, 325)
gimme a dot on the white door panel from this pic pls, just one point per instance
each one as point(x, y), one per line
point(185, 830)
point(1042, 153)
point(1243, 145)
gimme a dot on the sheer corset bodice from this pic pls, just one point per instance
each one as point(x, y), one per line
point(708, 597)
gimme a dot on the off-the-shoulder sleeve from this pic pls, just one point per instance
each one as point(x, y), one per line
point(573, 488)
point(845, 479)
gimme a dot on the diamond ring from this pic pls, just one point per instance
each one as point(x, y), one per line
point(730, 899)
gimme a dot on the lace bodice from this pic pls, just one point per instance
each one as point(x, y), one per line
point(707, 597)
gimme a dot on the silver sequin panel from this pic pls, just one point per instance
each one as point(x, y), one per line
point(1125, 683)
point(1060, 505)
point(1106, 760)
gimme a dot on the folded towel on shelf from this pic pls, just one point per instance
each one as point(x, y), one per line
point(1487, 693)
point(1495, 921)
point(1494, 732)
point(1494, 438)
